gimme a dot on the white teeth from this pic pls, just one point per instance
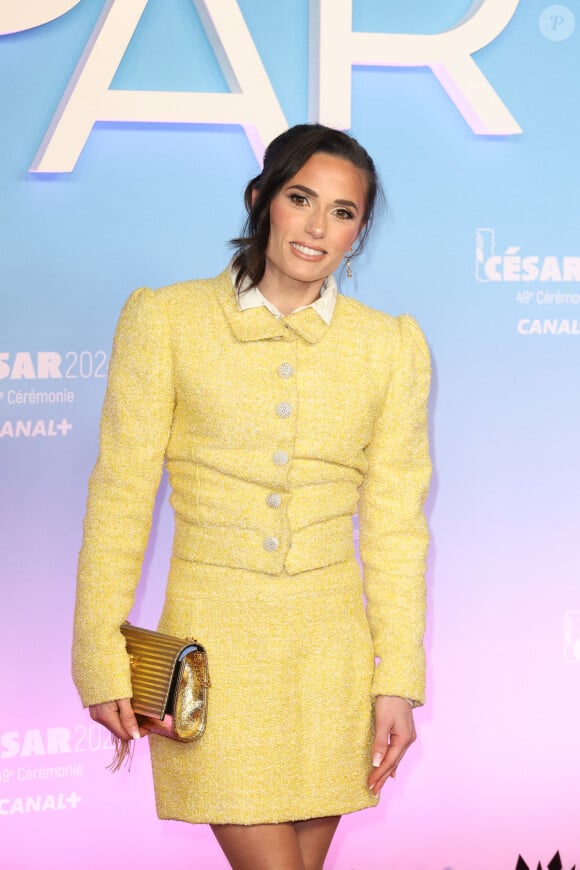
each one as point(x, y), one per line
point(310, 252)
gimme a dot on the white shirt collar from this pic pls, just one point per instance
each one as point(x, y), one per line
point(251, 297)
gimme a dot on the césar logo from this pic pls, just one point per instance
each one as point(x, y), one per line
point(33, 742)
point(252, 102)
point(512, 265)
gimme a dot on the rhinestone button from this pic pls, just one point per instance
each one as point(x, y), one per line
point(283, 409)
point(271, 544)
point(285, 370)
point(280, 457)
point(274, 500)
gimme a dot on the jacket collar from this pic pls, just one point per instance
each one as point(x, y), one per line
point(256, 324)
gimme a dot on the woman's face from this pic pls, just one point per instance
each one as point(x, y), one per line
point(314, 219)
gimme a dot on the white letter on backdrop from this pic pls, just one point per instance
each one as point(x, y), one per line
point(16, 15)
point(89, 98)
point(334, 49)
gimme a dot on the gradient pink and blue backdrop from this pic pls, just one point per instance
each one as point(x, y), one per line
point(496, 769)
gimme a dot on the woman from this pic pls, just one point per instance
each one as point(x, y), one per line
point(279, 407)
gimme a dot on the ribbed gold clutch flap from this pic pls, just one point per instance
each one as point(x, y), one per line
point(155, 658)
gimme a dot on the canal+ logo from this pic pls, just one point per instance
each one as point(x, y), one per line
point(496, 264)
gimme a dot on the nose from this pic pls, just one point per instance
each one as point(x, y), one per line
point(316, 224)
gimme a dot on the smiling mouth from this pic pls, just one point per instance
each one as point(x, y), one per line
point(308, 252)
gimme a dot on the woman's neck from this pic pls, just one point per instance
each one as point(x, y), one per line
point(288, 295)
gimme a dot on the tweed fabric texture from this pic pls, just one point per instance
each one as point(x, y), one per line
point(263, 570)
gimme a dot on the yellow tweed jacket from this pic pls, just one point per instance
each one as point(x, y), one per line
point(274, 432)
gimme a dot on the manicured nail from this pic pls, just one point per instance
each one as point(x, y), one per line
point(135, 734)
point(377, 758)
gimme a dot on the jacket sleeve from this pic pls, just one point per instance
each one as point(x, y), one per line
point(135, 427)
point(393, 529)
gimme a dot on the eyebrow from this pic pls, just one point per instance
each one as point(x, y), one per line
point(310, 192)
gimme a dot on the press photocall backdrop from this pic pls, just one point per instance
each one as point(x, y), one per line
point(128, 131)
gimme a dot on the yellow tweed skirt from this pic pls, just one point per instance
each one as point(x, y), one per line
point(289, 727)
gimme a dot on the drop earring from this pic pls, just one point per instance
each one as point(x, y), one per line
point(348, 255)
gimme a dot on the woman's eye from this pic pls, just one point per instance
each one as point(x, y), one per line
point(344, 214)
point(298, 199)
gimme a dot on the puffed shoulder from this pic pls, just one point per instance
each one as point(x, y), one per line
point(147, 300)
point(141, 304)
point(172, 301)
point(412, 338)
point(404, 325)
point(143, 322)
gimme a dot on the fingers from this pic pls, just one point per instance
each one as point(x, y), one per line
point(395, 731)
point(118, 717)
point(128, 720)
point(388, 767)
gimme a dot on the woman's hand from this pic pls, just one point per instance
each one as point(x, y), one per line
point(118, 717)
point(394, 733)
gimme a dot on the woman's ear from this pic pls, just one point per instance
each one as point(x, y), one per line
point(255, 193)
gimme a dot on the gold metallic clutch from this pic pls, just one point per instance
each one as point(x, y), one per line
point(170, 679)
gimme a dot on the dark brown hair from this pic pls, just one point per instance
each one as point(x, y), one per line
point(284, 157)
